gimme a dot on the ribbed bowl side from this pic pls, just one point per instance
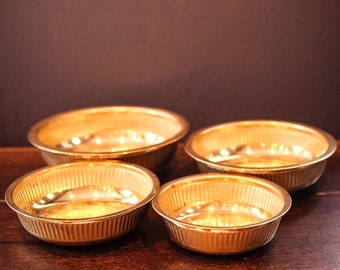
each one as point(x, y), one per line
point(82, 233)
point(291, 180)
point(154, 160)
point(222, 242)
point(54, 159)
point(299, 178)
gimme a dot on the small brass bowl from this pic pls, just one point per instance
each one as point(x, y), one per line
point(217, 213)
point(82, 203)
point(290, 154)
point(141, 135)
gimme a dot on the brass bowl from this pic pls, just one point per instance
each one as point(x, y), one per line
point(141, 135)
point(82, 203)
point(290, 154)
point(217, 213)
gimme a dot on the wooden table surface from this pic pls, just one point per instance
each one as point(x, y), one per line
point(308, 236)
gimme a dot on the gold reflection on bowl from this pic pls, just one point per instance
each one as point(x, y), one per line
point(290, 154)
point(140, 135)
point(82, 203)
point(221, 213)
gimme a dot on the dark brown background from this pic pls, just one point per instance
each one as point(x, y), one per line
point(211, 61)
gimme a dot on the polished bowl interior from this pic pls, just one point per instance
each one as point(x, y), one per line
point(104, 200)
point(142, 135)
point(220, 213)
point(291, 154)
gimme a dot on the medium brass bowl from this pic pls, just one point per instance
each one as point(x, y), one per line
point(218, 213)
point(141, 135)
point(290, 154)
point(82, 203)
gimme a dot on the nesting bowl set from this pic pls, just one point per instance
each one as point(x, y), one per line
point(101, 177)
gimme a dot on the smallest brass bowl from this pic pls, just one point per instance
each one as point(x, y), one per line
point(82, 203)
point(290, 154)
point(145, 136)
point(221, 214)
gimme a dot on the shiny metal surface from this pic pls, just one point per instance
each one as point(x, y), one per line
point(83, 202)
point(261, 156)
point(291, 154)
point(221, 213)
point(141, 135)
point(111, 141)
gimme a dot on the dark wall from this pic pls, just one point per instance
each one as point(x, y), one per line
point(211, 61)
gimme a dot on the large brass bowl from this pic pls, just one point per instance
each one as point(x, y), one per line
point(141, 135)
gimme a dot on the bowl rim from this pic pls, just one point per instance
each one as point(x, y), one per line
point(287, 200)
point(332, 146)
point(154, 191)
point(33, 132)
